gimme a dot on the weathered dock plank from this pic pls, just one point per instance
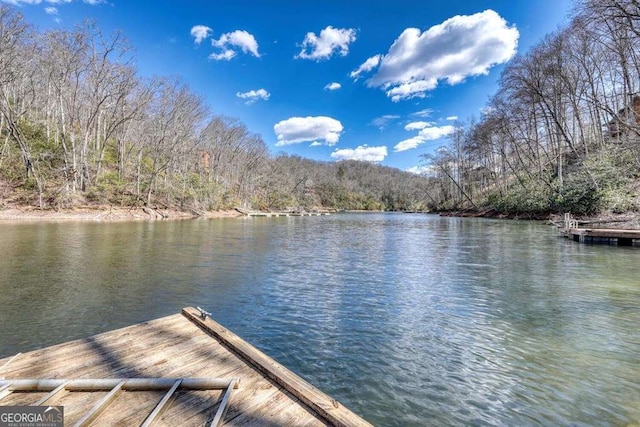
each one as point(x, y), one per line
point(177, 346)
point(322, 404)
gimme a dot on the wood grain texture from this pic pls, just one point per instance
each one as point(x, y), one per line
point(176, 347)
point(333, 412)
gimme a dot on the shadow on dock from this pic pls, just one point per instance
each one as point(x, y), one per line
point(177, 346)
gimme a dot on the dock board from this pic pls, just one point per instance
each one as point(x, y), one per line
point(178, 346)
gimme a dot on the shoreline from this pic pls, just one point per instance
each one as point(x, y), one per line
point(628, 220)
point(104, 214)
point(20, 214)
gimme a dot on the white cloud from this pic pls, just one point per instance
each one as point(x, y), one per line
point(415, 89)
point(409, 144)
point(254, 95)
point(329, 41)
point(416, 125)
point(19, 2)
point(240, 39)
point(367, 66)
point(423, 113)
point(230, 43)
point(460, 47)
point(384, 121)
point(333, 86)
point(226, 55)
point(452, 118)
point(421, 170)
point(305, 129)
point(200, 32)
point(427, 133)
point(51, 10)
point(436, 132)
point(363, 153)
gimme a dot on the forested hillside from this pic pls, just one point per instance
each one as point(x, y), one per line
point(79, 126)
point(562, 134)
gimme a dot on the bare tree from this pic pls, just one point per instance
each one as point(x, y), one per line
point(173, 118)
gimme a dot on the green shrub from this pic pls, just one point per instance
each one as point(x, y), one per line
point(579, 195)
point(535, 198)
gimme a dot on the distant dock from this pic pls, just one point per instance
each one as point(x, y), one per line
point(252, 213)
point(607, 236)
point(180, 370)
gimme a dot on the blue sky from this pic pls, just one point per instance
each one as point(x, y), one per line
point(380, 80)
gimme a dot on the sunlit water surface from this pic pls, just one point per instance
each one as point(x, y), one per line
point(407, 319)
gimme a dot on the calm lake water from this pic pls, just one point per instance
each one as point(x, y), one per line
point(407, 319)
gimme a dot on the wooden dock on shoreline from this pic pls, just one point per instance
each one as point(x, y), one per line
point(252, 213)
point(608, 236)
point(180, 370)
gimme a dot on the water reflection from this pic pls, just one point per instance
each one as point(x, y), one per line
point(408, 319)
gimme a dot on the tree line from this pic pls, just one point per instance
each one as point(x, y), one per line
point(78, 125)
point(562, 133)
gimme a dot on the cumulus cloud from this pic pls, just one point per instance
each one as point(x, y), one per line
point(436, 132)
point(366, 66)
point(427, 133)
point(238, 39)
point(452, 118)
point(460, 47)
point(363, 153)
point(308, 129)
point(254, 95)
point(229, 44)
point(200, 32)
point(333, 86)
point(330, 41)
point(51, 10)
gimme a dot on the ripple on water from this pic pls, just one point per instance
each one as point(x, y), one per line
point(407, 319)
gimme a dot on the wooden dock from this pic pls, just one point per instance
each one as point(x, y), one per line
point(609, 236)
point(178, 370)
point(278, 214)
point(252, 213)
point(571, 229)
